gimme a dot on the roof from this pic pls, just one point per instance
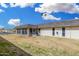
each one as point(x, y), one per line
point(60, 24)
point(27, 26)
point(66, 23)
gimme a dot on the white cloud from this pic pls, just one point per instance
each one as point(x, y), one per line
point(22, 5)
point(4, 5)
point(15, 22)
point(76, 17)
point(1, 10)
point(45, 8)
point(58, 7)
point(50, 17)
point(1, 26)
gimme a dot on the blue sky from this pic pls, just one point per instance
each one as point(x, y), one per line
point(28, 15)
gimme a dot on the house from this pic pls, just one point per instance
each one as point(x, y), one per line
point(6, 31)
point(2, 30)
point(65, 29)
point(28, 30)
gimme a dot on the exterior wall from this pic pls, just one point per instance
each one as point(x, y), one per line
point(46, 32)
point(70, 32)
point(75, 32)
point(28, 31)
point(18, 31)
point(67, 32)
point(58, 32)
point(21, 31)
point(2, 30)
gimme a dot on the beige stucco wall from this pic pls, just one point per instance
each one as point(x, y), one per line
point(46, 32)
point(67, 32)
point(75, 32)
point(70, 32)
point(58, 32)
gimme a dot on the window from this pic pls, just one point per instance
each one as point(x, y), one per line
point(33, 31)
point(22, 31)
point(57, 33)
point(25, 31)
point(63, 31)
point(53, 31)
point(38, 32)
point(18, 31)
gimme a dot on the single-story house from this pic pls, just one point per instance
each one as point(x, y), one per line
point(66, 29)
point(2, 30)
point(28, 29)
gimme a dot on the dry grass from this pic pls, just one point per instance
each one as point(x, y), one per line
point(45, 45)
point(9, 49)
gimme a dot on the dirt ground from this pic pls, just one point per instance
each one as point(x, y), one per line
point(9, 49)
point(51, 45)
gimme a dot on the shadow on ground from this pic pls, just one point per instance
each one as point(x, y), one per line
point(9, 49)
